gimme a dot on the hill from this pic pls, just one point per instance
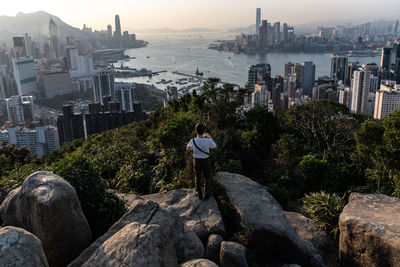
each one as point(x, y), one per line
point(35, 24)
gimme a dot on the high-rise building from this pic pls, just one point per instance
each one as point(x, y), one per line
point(40, 141)
point(125, 94)
point(387, 100)
point(109, 32)
point(80, 69)
point(118, 33)
point(308, 77)
point(339, 68)
point(345, 97)
point(258, 20)
point(260, 96)
point(70, 126)
point(396, 27)
point(360, 91)
point(263, 34)
point(288, 71)
point(20, 109)
point(53, 35)
point(285, 33)
point(385, 58)
point(24, 72)
point(277, 33)
point(19, 47)
point(103, 84)
point(28, 45)
point(258, 73)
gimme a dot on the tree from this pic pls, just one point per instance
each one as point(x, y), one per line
point(325, 124)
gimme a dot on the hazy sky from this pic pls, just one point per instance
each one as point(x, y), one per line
point(180, 14)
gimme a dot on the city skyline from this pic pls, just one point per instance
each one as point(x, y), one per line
point(174, 14)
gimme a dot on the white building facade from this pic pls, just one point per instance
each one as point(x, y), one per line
point(387, 100)
point(24, 72)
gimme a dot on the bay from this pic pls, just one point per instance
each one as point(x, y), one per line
point(187, 52)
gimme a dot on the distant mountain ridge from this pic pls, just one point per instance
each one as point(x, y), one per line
point(35, 24)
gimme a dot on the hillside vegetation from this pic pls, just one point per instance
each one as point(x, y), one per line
point(320, 146)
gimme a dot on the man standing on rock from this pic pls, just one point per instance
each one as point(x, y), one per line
point(201, 146)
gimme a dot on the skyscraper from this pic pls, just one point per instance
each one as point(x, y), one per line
point(387, 100)
point(20, 109)
point(339, 68)
point(396, 27)
point(103, 85)
point(53, 35)
point(19, 47)
point(109, 32)
point(125, 94)
point(24, 72)
point(118, 33)
point(258, 20)
point(385, 58)
point(285, 32)
point(360, 90)
point(263, 34)
point(258, 73)
point(277, 33)
point(308, 77)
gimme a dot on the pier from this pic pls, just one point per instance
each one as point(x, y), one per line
point(198, 77)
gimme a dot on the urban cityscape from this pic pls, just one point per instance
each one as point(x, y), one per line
point(99, 124)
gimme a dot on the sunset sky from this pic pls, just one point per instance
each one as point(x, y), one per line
point(180, 14)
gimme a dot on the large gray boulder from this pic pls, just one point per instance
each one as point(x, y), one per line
point(269, 231)
point(20, 248)
point(370, 231)
point(202, 216)
point(193, 247)
point(213, 247)
point(307, 230)
point(232, 255)
point(164, 229)
point(136, 245)
point(199, 263)
point(48, 206)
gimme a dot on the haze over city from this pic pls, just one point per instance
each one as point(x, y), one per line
point(179, 14)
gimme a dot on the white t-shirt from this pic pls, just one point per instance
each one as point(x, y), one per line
point(204, 143)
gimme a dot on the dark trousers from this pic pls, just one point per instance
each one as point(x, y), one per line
point(202, 171)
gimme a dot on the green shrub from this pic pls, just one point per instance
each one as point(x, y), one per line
point(325, 210)
point(101, 209)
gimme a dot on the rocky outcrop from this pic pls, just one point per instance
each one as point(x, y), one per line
point(20, 248)
point(213, 247)
point(232, 255)
point(199, 263)
point(270, 233)
point(307, 230)
point(47, 206)
point(202, 216)
point(136, 245)
point(165, 232)
point(370, 231)
point(193, 248)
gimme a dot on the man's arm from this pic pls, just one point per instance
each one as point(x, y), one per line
point(213, 144)
point(189, 146)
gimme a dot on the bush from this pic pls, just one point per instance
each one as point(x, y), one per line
point(101, 209)
point(325, 210)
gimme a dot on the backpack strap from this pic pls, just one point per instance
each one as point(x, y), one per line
point(200, 148)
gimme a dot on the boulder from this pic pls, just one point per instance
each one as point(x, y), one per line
point(202, 216)
point(370, 231)
point(199, 263)
point(48, 206)
point(213, 247)
point(193, 248)
point(148, 216)
point(269, 231)
point(232, 255)
point(307, 230)
point(136, 245)
point(20, 248)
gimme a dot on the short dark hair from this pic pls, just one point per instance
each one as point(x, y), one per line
point(200, 128)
